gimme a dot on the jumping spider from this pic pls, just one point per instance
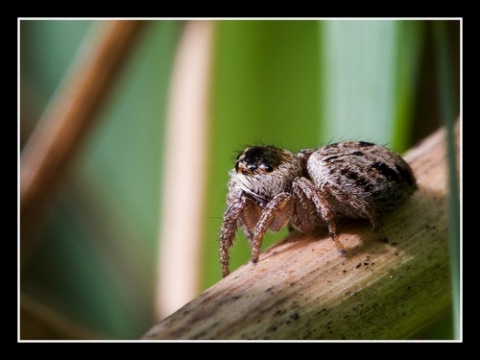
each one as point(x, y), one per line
point(270, 188)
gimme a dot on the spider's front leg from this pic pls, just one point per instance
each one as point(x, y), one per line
point(276, 214)
point(229, 228)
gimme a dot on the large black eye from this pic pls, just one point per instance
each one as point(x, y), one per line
point(252, 166)
point(267, 167)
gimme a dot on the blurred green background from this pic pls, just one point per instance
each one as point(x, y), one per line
point(292, 83)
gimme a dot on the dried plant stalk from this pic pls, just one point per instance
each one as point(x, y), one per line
point(52, 146)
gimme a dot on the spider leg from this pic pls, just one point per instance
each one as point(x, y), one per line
point(305, 216)
point(323, 208)
point(275, 216)
point(359, 208)
point(249, 219)
point(366, 211)
point(228, 230)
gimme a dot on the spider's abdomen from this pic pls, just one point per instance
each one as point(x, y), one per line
point(354, 173)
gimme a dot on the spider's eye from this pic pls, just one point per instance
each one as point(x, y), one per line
point(266, 167)
point(245, 168)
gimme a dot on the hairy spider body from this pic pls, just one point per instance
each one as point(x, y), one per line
point(270, 188)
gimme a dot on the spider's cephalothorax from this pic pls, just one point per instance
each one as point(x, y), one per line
point(270, 188)
point(262, 172)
